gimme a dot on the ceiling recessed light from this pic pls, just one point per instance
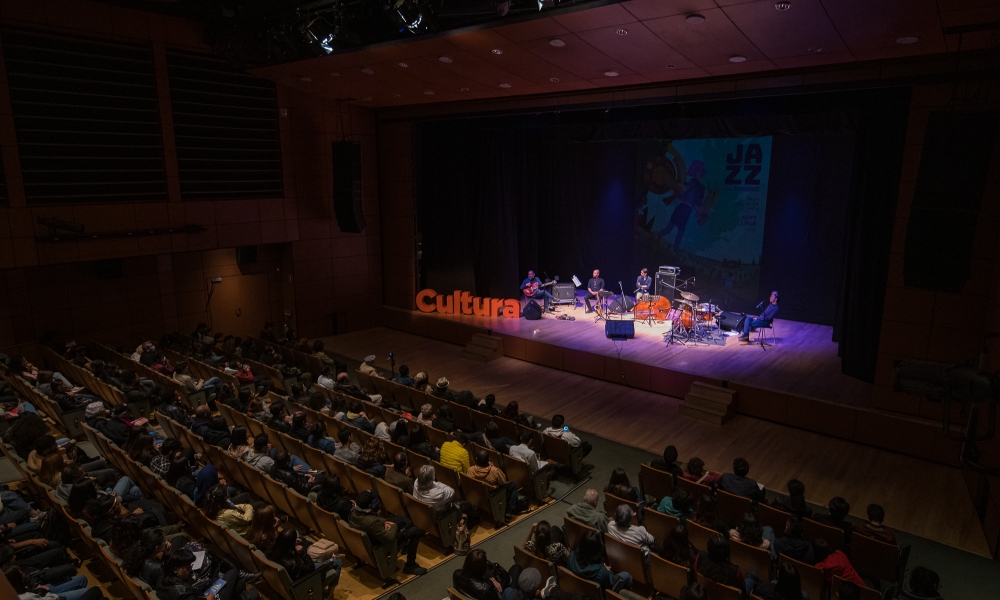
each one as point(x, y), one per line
point(404, 65)
point(622, 31)
point(463, 89)
point(505, 85)
point(695, 19)
point(782, 5)
point(554, 79)
point(367, 71)
point(397, 95)
point(445, 60)
point(334, 74)
point(611, 73)
point(306, 79)
point(671, 66)
point(907, 39)
point(737, 59)
point(428, 93)
point(815, 50)
point(557, 43)
point(497, 51)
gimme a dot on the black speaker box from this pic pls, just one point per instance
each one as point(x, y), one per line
point(564, 291)
point(532, 311)
point(619, 330)
point(621, 305)
point(347, 201)
point(731, 321)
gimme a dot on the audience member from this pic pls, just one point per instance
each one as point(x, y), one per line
point(587, 561)
point(401, 474)
point(669, 462)
point(620, 486)
point(873, 527)
point(560, 430)
point(839, 509)
point(796, 503)
point(404, 376)
point(788, 585)
point(621, 528)
point(834, 562)
point(679, 505)
point(714, 563)
point(677, 548)
point(707, 514)
point(332, 497)
point(488, 473)
point(696, 472)
point(454, 455)
point(526, 453)
point(396, 530)
point(546, 541)
point(752, 533)
point(791, 543)
point(587, 512)
point(739, 484)
point(923, 585)
point(480, 579)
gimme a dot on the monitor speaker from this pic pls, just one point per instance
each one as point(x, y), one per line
point(619, 330)
point(532, 311)
point(731, 321)
point(347, 200)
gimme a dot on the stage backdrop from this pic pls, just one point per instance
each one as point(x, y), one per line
point(768, 207)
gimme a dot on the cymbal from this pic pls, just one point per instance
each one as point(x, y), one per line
point(690, 296)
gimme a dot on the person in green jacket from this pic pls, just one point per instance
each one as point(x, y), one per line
point(394, 532)
point(681, 505)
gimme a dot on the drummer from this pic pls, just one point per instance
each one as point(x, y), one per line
point(642, 283)
point(594, 287)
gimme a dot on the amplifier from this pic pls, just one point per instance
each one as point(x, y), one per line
point(564, 292)
point(669, 270)
point(731, 321)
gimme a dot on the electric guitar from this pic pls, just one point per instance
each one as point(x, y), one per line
point(530, 290)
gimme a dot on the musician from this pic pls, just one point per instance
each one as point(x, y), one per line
point(535, 284)
point(594, 286)
point(643, 283)
point(764, 318)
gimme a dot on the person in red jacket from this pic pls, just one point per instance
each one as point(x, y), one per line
point(835, 562)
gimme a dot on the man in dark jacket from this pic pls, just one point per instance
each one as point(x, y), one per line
point(739, 484)
point(175, 409)
point(202, 421)
point(393, 532)
point(792, 545)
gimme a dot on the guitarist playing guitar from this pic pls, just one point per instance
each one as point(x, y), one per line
point(532, 287)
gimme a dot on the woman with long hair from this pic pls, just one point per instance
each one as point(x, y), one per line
point(481, 579)
point(546, 541)
point(752, 533)
point(511, 413)
point(289, 552)
point(715, 563)
point(51, 470)
point(677, 548)
point(144, 559)
point(181, 477)
point(708, 514)
point(263, 528)
point(373, 457)
point(619, 483)
point(126, 533)
point(239, 443)
point(24, 431)
point(332, 497)
point(588, 561)
point(142, 449)
point(218, 507)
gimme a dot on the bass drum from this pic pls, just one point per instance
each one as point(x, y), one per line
point(622, 305)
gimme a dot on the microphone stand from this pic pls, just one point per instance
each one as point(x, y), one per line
point(392, 362)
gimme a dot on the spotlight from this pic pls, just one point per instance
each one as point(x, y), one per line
point(319, 35)
point(543, 4)
point(408, 15)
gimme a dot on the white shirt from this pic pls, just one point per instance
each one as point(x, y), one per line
point(569, 436)
point(633, 534)
point(526, 454)
point(439, 496)
point(327, 382)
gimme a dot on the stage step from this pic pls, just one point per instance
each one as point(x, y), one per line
point(483, 348)
point(709, 403)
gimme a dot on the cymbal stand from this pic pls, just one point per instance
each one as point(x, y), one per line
point(649, 307)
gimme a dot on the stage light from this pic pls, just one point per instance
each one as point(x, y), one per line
point(543, 4)
point(737, 59)
point(409, 15)
point(320, 35)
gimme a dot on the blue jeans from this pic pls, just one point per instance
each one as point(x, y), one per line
point(213, 385)
point(75, 583)
point(750, 324)
point(545, 296)
point(127, 491)
point(624, 575)
point(28, 407)
point(293, 461)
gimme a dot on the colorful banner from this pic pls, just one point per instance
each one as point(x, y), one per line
point(703, 210)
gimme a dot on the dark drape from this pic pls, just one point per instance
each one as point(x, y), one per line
point(878, 159)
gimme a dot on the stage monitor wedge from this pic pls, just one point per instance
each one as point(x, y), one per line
point(348, 204)
point(619, 330)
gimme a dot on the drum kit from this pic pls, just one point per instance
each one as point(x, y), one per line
point(691, 321)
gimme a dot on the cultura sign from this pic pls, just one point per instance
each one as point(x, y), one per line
point(464, 303)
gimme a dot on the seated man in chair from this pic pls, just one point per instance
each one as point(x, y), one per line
point(763, 319)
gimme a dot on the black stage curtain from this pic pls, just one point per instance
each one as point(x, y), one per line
point(556, 192)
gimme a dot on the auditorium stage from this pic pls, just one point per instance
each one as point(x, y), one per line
point(804, 363)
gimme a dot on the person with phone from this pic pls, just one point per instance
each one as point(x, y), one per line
point(559, 429)
point(177, 581)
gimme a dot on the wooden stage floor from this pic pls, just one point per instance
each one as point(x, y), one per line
point(803, 363)
point(925, 498)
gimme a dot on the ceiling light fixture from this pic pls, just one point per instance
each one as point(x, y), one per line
point(557, 43)
point(334, 74)
point(611, 73)
point(907, 39)
point(305, 79)
point(397, 95)
point(815, 50)
point(404, 65)
point(505, 85)
point(737, 59)
point(463, 89)
point(622, 31)
point(429, 93)
point(445, 60)
point(554, 79)
point(782, 5)
point(367, 71)
point(695, 19)
point(497, 51)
